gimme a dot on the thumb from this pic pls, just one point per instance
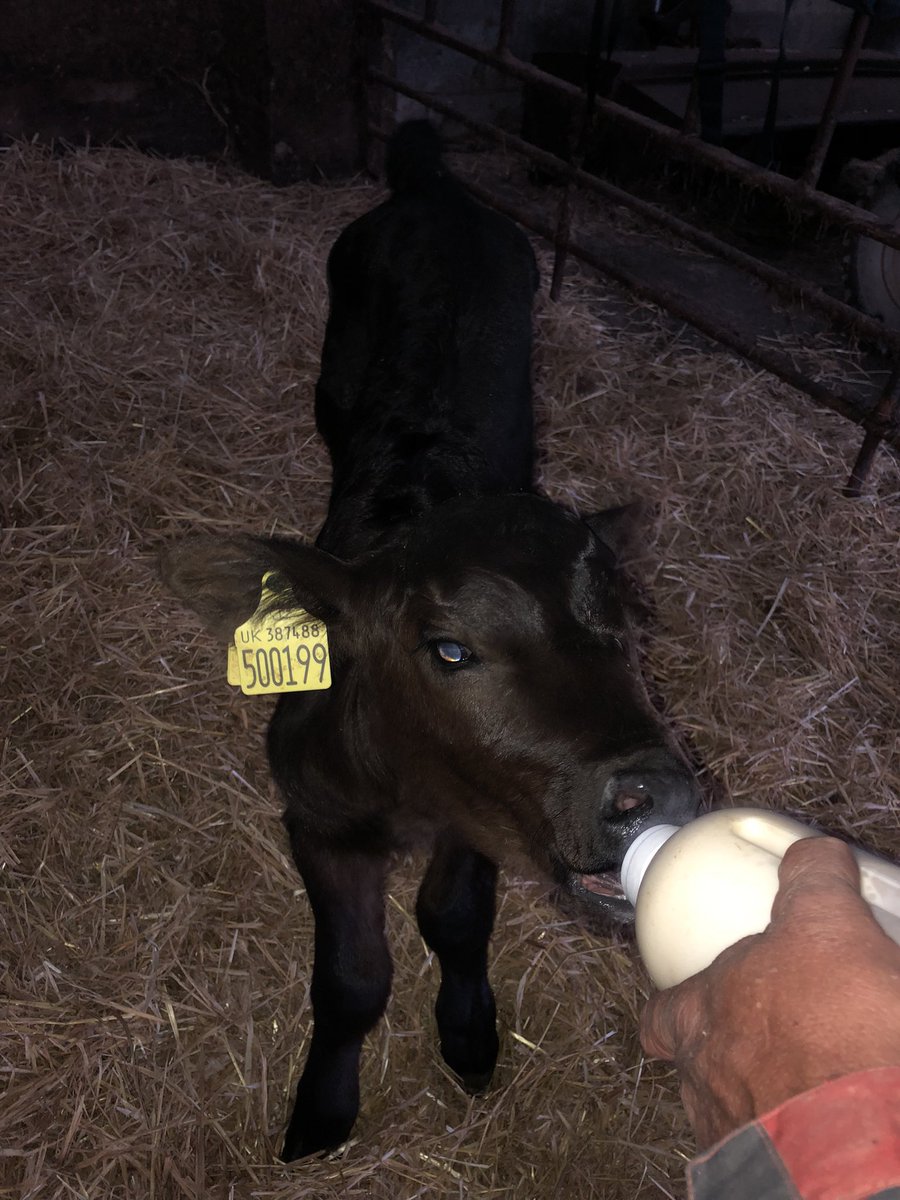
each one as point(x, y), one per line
point(670, 1018)
point(816, 872)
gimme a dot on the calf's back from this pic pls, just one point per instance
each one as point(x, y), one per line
point(425, 391)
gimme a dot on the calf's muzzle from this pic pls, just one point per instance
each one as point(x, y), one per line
point(650, 787)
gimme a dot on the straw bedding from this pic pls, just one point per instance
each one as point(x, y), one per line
point(160, 332)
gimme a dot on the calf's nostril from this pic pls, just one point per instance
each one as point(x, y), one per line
point(653, 785)
point(630, 798)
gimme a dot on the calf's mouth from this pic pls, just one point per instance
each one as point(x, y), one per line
point(604, 883)
point(602, 892)
point(648, 788)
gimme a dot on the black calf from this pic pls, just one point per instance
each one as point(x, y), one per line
point(485, 691)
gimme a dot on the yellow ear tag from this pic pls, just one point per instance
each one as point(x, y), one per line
point(234, 672)
point(279, 652)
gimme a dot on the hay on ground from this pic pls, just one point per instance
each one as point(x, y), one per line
point(160, 330)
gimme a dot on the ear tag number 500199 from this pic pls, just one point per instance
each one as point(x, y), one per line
point(279, 652)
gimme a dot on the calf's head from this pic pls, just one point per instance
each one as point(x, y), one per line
point(487, 653)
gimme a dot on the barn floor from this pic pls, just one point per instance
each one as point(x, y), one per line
point(158, 348)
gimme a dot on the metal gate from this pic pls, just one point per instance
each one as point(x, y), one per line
point(881, 422)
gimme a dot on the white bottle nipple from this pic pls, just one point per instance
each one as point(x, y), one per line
point(640, 854)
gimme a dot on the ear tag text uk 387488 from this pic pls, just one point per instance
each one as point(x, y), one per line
point(279, 651)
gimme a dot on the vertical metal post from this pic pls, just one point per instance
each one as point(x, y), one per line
point(886, 414)
point(507, 14)
point(710, 69)
point(362, 18)
point(836, 96)
point(578, 151)
point(690, 122)
point(376, 102)
point(561, 239)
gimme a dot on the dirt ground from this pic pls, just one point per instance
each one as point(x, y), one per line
point(160, 324)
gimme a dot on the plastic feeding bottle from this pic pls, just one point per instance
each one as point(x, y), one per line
point(700, 887)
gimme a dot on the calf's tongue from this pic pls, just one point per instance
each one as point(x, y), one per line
point(605, 884)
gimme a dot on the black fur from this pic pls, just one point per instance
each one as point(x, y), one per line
point(543, 739)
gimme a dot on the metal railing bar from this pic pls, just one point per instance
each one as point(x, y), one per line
point(838, 400)
point(829, 208)
point(865, 326)
point(883, 423)
point(747, 347)
point(835, 102)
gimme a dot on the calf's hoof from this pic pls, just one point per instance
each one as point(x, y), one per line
point(476, 1082)
point(472, 1057)
point(312, 1135)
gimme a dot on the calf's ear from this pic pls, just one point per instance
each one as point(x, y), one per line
point(621, 528)
point(220, 578)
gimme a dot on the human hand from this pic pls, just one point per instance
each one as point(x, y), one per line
point(813, 997)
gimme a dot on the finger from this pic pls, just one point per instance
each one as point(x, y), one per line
point(670, 1020)
point(655, 1031)
point(814, 867)
point(694, 1107)
point(709, 1124)
point(676, 1017)
point(703, 1113)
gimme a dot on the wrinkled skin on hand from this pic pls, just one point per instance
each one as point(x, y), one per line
point(814, 997)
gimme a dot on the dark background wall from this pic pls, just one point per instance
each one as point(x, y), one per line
point(276, 83)
point(268, 80)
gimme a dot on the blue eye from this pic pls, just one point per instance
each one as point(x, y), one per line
point(451, 654)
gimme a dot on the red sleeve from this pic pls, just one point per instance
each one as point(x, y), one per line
point(840, 1141)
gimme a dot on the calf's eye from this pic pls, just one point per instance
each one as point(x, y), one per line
point(451, 654)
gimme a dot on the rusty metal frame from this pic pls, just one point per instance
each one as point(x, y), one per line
point(882, 422)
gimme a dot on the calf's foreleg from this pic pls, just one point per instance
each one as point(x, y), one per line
point(350, 986)
point(455, 911)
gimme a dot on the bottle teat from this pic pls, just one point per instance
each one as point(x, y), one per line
point(639, 856)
